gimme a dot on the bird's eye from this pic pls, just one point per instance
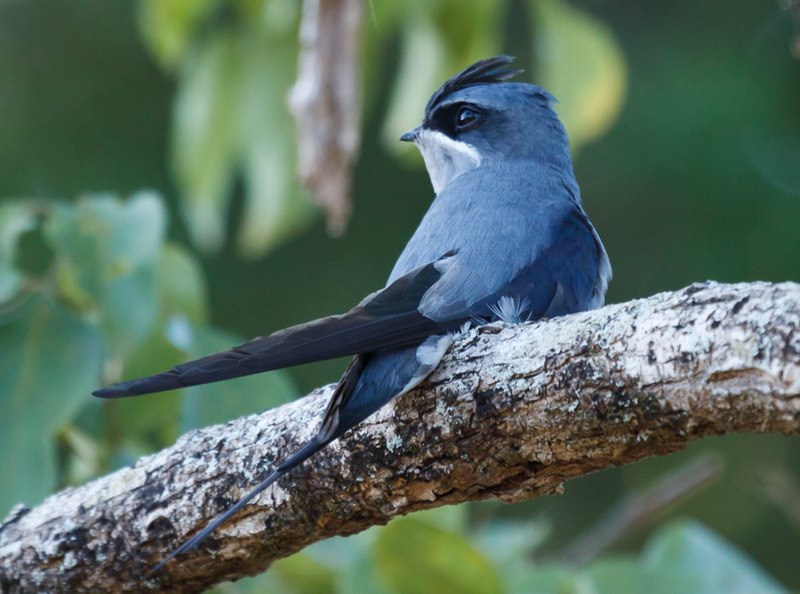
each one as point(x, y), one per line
point(466, 118)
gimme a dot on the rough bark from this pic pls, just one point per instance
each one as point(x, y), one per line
point(511, 413)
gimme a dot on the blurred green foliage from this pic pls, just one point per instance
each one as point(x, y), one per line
point(112, 299)
point(686, 131)
point(234, 63)
point(416, 555)
point(51, 360)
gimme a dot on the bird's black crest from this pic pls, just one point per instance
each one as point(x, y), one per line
point(490, 70)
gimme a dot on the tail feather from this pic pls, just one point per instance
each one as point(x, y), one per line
point(330, 429)
point(335, 336)
point(386, 319)
point(372, 331)
point(297, 458)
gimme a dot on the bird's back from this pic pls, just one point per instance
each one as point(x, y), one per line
point(500, 221)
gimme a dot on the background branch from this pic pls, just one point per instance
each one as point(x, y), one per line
point(512, 413)
point(638, 509)
point(326, 104)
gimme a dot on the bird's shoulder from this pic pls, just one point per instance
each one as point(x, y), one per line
point(507, 207)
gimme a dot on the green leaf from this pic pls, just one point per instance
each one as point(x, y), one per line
point(106, 253)
point(510, 545)
point(301, 574)
point(511, 542)
point(15, 219)
point(223, 401)
point(231, 119)
point(626, 576)
point(581, 63)
point(81, 453)
point(169, 27)
point(471, 31)
point(714, 565)
point(205, 144)
point(144, 424)
point(451, 518)
point(181, 286)
point(154, 421)
point(274, 205)
point(179, 335)
point(50, 362)
point(548, 579)
point(414, 557)
point(360, 575)
point(352, 555)
point(438, 39)
point(422, 63)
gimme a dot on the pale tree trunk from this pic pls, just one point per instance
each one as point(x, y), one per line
point(512, 412)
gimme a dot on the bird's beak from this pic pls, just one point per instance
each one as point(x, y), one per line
point(411, 135)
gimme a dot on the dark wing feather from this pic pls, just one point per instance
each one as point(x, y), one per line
point(388, 318)
point(570, 274)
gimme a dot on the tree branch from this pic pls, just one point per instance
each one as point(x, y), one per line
point(512, 413)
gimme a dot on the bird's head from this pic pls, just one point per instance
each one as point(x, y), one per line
point(477, 118)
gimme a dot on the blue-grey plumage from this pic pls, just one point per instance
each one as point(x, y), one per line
point(516, 229)
point(505, 238)
point(386, 374)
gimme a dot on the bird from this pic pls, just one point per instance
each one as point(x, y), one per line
point(506, 238)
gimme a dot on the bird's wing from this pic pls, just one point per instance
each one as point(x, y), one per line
point(569, 275)
point(579, 267)
point(566, 270)
point(387, 318)
point(519, 230)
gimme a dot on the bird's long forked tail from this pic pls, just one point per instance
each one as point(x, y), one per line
point(387, 318)
point(330, 429)
point(297, 458)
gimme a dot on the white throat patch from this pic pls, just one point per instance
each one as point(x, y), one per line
point(445, 158)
